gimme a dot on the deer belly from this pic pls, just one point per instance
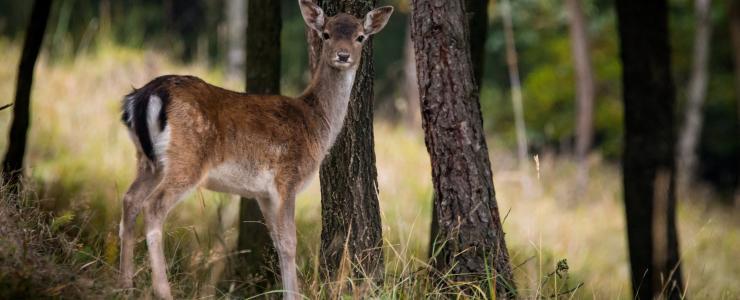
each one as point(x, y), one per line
point(241, 180)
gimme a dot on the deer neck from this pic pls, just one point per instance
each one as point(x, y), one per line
point(329, 94)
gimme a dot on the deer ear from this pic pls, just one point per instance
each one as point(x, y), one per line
point(376, 19)
point(312, 14)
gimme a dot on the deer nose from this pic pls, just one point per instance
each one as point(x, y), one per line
point(343, 56)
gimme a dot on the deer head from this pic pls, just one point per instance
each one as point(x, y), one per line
point(343, 35)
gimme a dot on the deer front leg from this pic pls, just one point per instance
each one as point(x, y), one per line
point(279, 212)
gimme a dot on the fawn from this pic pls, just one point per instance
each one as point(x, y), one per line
point(189, 133)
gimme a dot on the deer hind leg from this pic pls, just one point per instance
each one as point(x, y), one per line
point(175, 184)
point(146, 180)
point(279, 212)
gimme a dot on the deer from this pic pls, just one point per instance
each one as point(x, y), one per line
point(190, 134)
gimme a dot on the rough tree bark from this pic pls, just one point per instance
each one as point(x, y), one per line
point(465, 202)
point(13, 161)
point(351, 231)
point(262, 77)
point(648, 161)
point(584, 88)
point(691, 130)
point(477, 13)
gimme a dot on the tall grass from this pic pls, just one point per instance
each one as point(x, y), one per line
point(81, 160)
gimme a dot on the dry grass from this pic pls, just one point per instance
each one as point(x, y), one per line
point(81, 162)
point(40, 256)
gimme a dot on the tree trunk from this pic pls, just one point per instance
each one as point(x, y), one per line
point(477, 12)
point(351, 233)
point(734, 8)
point(186, 19)
point(584, 89)
point(516, 85)
point(236, 11)
point(13, 161)
point(411, 85)
point(262, 77)
point(467, 213)
point(689, 140)
point(648, 160)
point(263, 46)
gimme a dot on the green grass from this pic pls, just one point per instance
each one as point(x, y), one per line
point(81, 160)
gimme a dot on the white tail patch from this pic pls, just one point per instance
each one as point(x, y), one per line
point(152, 115)
point(160, 138)
point(161, 143)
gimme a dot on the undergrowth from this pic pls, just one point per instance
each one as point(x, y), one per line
point(41, 255)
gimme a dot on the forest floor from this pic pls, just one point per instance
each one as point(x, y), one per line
point(81, 161)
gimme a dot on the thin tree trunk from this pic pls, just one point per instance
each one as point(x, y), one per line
point(236, 11)
point(411, 85)
point(648, 160)
point(691, 131)
point(262, 77)
point(584, 89)
point(186, 19)
point(467, 213)
point(351, 233)
point(734, 8)
point(13, 161)
point(516, 86)
point(477, 12)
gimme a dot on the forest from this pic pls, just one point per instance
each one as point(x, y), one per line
point(423, 149)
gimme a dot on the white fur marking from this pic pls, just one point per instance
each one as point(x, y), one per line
point(160, 138)
point(152, 115)
point(161, 143)
point(152, 234)
point(368, 24)
point(120, 229)
point(339, 111)
point(241, 180)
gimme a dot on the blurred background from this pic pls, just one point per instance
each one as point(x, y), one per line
point(80, 159)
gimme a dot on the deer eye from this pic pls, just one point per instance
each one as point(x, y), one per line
point(325, 35)
point(360, 38)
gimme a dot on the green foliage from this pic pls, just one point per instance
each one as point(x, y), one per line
point(547, 75)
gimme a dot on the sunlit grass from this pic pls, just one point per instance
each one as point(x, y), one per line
point(81, 161)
